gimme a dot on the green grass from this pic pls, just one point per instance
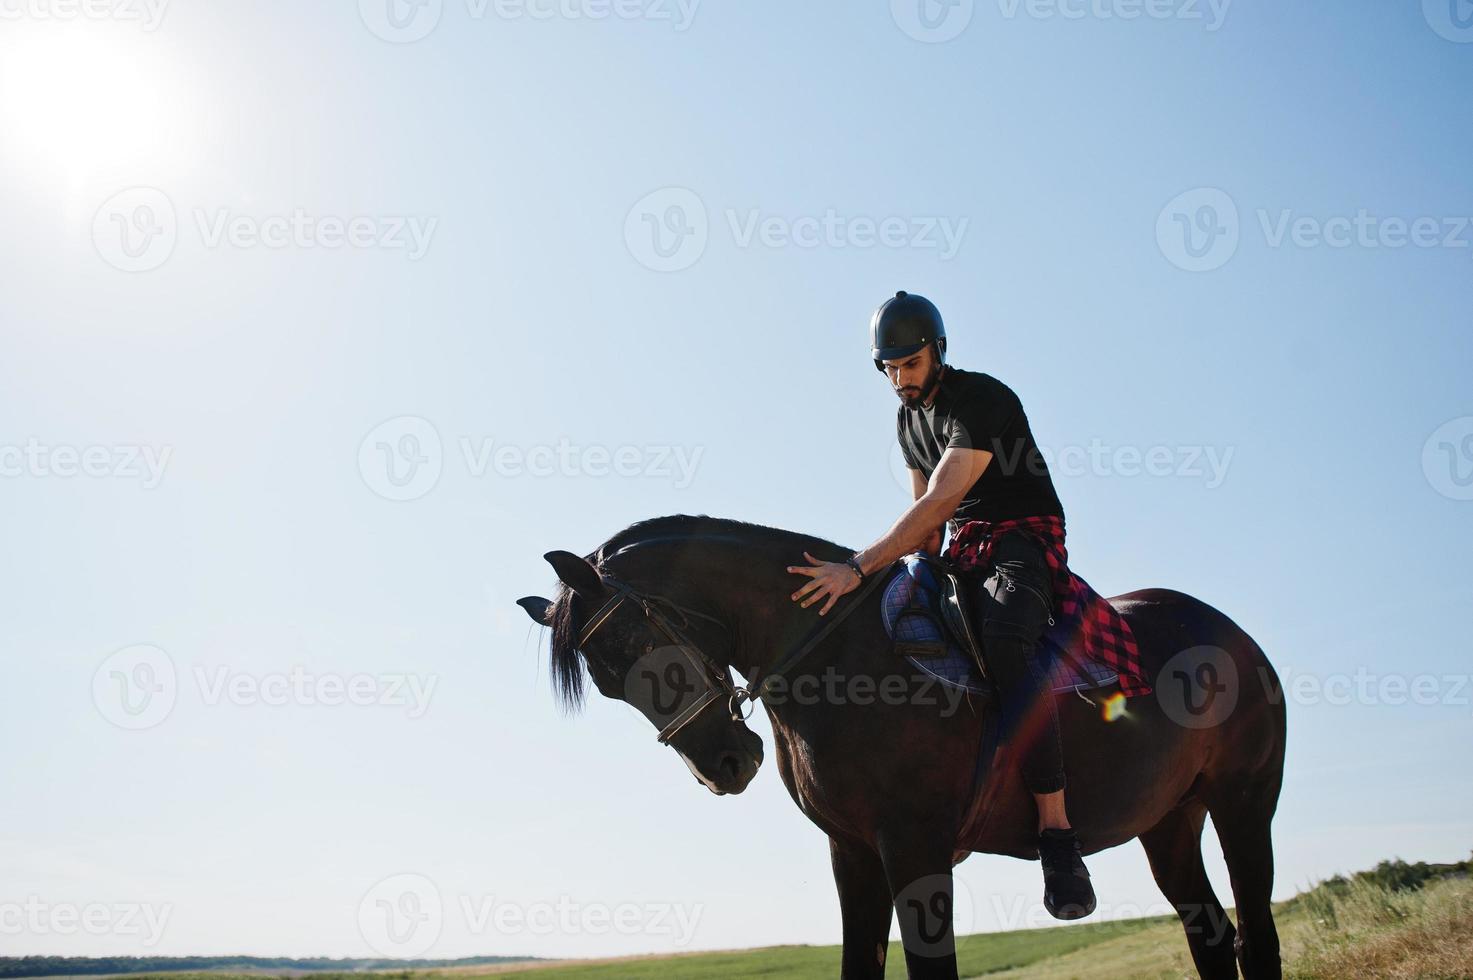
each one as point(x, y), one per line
point(1367, 929)
point(1393, 922)
point(977, 954)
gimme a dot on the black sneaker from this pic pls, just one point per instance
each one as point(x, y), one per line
point(1067, 893)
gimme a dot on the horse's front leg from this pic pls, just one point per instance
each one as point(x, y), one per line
point(917, 859)
point(864, 901)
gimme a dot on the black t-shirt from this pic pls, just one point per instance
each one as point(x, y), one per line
point(976, 411)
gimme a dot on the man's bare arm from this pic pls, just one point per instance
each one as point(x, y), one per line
point(958, 470)
point(918, 485)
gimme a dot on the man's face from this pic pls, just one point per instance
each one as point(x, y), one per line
point(914, 377)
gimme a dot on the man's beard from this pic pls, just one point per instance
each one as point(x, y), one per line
point(914, 397)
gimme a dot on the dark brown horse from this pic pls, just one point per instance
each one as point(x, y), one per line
point(660, 611)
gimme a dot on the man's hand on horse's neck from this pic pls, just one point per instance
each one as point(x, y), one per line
point(917, 528)
point(958, 471)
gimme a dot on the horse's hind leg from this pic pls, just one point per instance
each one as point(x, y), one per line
point(1242, 813)
point(1174, 848)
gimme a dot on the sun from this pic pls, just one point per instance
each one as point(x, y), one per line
point(80, 101)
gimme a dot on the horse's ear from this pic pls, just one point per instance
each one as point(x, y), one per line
point(537, 607)
point(576, 573)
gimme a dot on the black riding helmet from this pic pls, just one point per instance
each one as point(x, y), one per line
point(902, 326)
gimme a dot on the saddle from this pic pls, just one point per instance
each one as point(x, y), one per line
point(926, 611)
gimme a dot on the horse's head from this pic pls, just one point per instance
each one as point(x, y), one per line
point(666, 660)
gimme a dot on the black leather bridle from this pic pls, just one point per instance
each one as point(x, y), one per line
point(713, 674)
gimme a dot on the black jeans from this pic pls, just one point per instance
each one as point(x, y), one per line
point(1011, 603)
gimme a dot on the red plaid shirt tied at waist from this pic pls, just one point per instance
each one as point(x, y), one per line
point(1093, 628)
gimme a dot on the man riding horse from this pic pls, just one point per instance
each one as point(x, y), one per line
point(660, 614)
point(973, 463)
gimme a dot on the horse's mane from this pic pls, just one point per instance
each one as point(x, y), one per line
point(569, 672)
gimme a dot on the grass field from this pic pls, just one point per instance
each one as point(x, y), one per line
point(1369, 931)
point(1376, 924)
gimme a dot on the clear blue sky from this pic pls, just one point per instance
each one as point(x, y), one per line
point(532, 313)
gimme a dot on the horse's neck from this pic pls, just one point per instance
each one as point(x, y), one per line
point(746, 584)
